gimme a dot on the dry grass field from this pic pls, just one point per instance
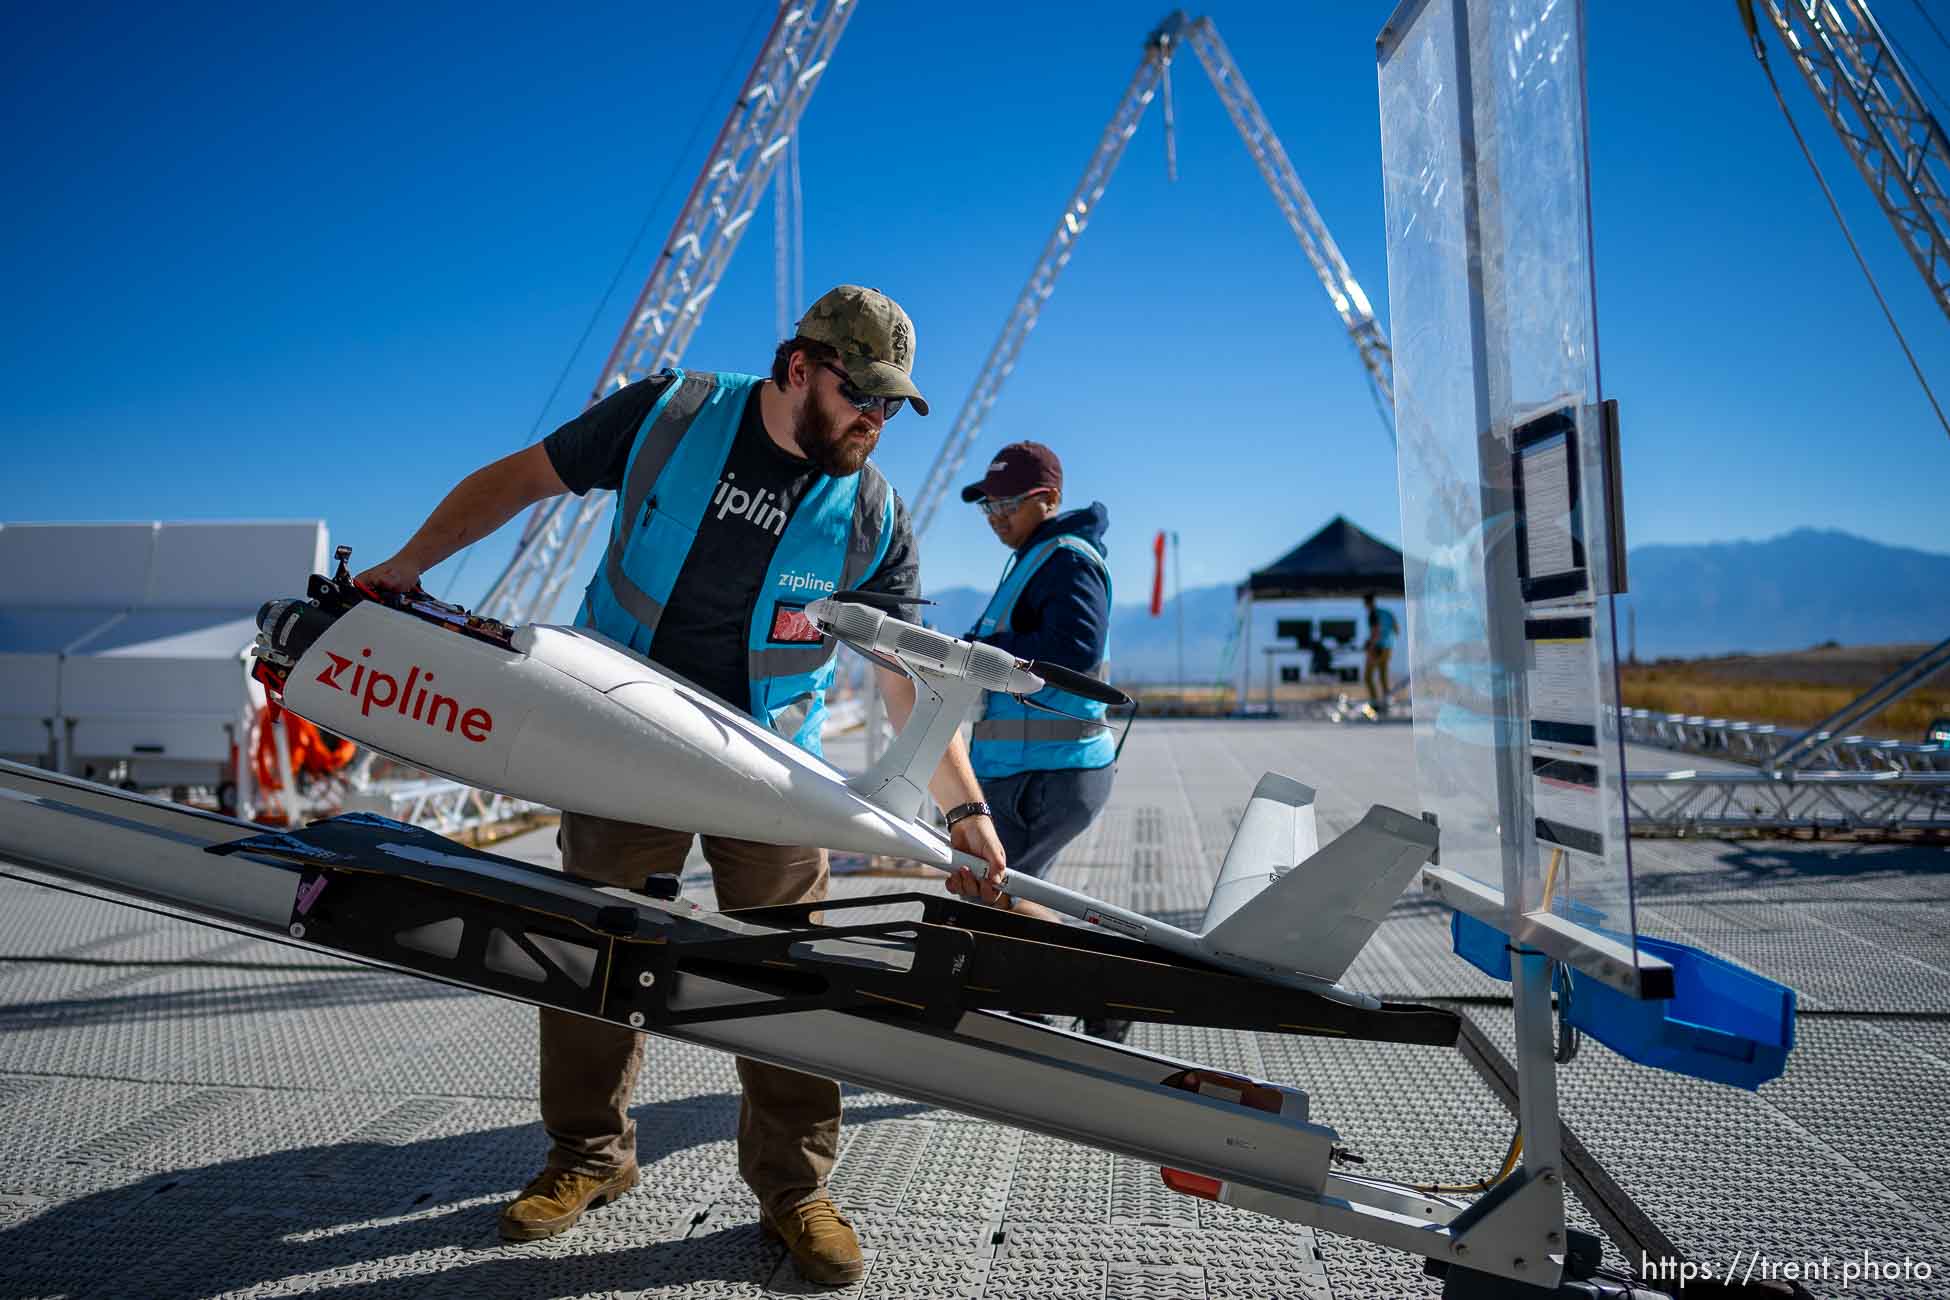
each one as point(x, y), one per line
point(1801, 687)
point(1796, 688)
point(1207, 701)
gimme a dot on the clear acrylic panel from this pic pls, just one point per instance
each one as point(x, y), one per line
point(1504, 474)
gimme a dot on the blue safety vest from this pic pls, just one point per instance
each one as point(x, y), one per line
point(1012, 736)
point(837, 536)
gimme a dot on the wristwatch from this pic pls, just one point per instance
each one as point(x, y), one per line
point(963, 811)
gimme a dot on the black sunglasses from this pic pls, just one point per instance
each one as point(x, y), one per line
point(864, 402)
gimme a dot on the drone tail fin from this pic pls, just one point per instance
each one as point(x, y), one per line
point(1282, 904)
point(1276, 832)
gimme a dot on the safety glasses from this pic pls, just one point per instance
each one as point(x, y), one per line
point(996, 507)
point(863, 402)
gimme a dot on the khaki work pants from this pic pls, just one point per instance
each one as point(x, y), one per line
point(1377, 666)
point(788, 1122)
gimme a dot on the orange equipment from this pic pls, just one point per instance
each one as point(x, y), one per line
point(312, 750)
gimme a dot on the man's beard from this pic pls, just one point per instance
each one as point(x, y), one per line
point(838, 452)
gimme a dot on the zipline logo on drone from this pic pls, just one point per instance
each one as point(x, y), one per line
point(374, 689)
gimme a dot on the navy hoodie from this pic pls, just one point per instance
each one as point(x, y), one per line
point(1063, 615)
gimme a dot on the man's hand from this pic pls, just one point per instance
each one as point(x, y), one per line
point(391, 575)
point(977, 835)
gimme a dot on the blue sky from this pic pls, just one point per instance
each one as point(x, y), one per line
point(323, 262)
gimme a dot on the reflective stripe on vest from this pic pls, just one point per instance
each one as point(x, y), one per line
point(1016, 736)
point(658, 436)
point(1034, 729)
point(837, 534)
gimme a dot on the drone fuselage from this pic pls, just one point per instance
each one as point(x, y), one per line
point(567, 718)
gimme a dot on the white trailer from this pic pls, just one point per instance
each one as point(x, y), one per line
point(123, 645)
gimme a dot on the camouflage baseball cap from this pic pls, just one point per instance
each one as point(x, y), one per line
point(874, 337)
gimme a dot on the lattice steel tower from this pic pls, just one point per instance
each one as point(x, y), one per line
point(1897, 145)
point(755, 138)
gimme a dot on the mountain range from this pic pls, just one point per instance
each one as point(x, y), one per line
point(1790, 592)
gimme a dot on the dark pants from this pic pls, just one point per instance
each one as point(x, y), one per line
point(1037, 813)
point(788, 1122)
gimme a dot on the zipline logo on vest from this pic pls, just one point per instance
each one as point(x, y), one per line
point(762, 508)
point(374, 689)
point(807, 581)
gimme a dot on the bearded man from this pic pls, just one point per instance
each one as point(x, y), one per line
point(740, 500)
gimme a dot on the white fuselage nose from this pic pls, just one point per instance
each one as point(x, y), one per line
point(571, 720)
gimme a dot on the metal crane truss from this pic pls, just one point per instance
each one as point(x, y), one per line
point(1708, 803)
point(1882, 121)
point(1350, 302)
point(1866, 784)
point(754, 140)
point(1756, 742)
point(788, 241)
point(1323, 254)
point(1042, 280)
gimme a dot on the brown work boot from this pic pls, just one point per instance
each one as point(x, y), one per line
point(556, 1199)
point(821, 1242)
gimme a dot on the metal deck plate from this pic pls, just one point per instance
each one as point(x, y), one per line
point(187, 1113)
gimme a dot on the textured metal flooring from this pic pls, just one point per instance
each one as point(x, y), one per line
point(184, 1112)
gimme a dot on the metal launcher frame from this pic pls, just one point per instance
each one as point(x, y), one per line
point(909, 1006)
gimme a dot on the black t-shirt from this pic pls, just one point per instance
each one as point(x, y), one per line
point(702, 636)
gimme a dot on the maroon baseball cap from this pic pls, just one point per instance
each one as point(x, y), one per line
point(1018, 468)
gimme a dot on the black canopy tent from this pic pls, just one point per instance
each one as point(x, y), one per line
point(1342, 560)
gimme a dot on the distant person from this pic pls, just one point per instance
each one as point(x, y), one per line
point(1380, 648)
point(733, 492)
point(1045, 771)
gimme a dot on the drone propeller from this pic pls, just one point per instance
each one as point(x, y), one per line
point(1076, 683)
point(877, 599)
